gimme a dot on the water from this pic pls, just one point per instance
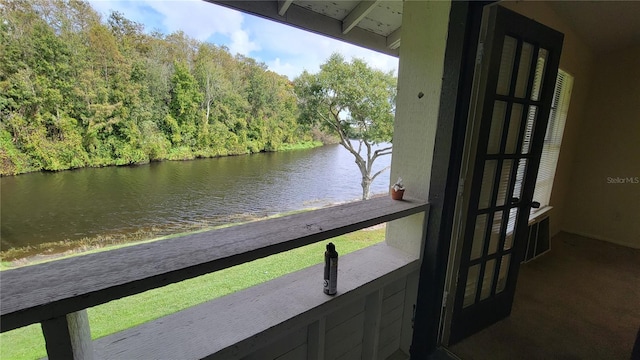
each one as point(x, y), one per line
point(175, 195)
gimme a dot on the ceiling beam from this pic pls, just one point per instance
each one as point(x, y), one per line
point(357, 14)
point(393, 39)
point(283, 6)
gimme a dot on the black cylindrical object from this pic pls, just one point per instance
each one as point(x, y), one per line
point(331, 270)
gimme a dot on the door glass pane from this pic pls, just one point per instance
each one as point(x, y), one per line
point(524, 67)
point(532, 116)
point(517, 188)
point(487, 183)
point(502, 276)
point(478, 236)
point(497, 121)
point(514, 129)
point(541, 66)
point(494, 238)
point(508, 241)
point(511, 225)
point(487, 280)
point(506, 65)
point(471, 287)
point(503, 186)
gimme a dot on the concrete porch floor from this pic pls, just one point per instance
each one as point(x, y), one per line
point(581, 300)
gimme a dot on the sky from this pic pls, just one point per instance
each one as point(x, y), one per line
point(284, 49)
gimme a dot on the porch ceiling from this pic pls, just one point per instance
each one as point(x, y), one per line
point(376, 24)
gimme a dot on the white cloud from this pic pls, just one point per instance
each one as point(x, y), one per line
point(241, 44)
point(285, 50)
point(196, 18)
point(311, 52)
point(285, 68)
point(302, 50)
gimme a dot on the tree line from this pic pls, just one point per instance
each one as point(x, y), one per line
point(77, 91)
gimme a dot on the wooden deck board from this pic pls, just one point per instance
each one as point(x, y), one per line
point(34, 293)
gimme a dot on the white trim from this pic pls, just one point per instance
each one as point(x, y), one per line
point(357, 14)
point(283, 6)
point(393, 39)
point(540, 215)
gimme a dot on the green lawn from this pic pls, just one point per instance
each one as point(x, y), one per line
point(117, 315)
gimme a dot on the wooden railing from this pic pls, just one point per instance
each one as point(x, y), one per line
point(57, 293)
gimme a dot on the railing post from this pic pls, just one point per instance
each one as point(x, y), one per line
point(68, 337)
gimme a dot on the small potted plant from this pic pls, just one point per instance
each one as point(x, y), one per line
point(397, 190)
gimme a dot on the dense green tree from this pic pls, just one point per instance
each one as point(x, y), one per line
point(353, 101)
point(215, 87)
point(185, 104)
point(34, 81)
point(78, 91)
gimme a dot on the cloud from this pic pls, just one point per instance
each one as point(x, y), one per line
point(241, 44)
point(289, 51)
point(285, 68)
point(285, 49)
point(196, 18)
point(309, 52)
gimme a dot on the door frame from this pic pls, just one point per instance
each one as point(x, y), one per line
point(477, 81)
point(459, 67)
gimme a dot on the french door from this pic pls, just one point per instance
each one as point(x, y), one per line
point(520, 64)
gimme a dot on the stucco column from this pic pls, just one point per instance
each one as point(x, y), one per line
point(422, 50)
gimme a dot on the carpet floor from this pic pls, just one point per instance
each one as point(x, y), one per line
point(581, 300)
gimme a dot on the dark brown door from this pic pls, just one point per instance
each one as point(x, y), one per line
point(516, 97)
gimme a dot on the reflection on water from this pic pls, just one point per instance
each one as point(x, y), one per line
point(173, 195)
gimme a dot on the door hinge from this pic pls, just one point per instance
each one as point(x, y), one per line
point(480, 53)
point(460, 186)
point(413, 316)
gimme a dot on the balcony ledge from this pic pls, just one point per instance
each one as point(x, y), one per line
point(239, 324)
point(40, 292)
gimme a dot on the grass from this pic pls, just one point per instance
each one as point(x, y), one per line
point(117, 315)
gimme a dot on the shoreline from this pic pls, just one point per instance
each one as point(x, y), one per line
point(85, 250)
point(64, 249)
point(30, 255)
point(286, 147)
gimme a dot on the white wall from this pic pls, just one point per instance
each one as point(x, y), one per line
point(603, 201)
point(425, 26)
point(424, 34)
point(344, 331)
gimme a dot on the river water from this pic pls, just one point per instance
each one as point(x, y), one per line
point(175, 195)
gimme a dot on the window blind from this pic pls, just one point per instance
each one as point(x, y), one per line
point(553, 139)
point(550, 149)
